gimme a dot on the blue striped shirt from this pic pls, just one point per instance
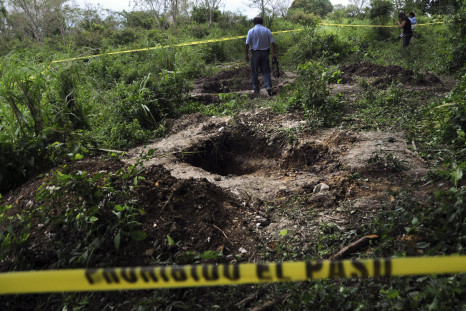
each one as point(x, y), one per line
point(259, 38)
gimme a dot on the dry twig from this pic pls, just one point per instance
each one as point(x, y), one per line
point(250, 298)
point(271, 304)
point(353, 246)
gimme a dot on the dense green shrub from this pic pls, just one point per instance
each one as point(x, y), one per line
point(450, 118)
point(314, 45)
point(123, 37)
point(457, 37)
point(311, 94)
point(298, 16)
point(127, 114)
point(139, 19)
point(380, 14)
point(317, 7)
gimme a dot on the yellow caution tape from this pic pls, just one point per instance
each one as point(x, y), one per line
point(377, 26)
point(149, 49)
point(105, 279)
point(218, 40)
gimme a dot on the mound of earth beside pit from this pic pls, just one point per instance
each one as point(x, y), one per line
point(264, 160)
point(383, 76)
point(196, 214)
point(256, 186)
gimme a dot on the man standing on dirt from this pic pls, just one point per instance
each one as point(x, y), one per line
point(259, 41)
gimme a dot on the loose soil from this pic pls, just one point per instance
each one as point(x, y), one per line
point(212, 181)
point(236, 81)
point(232, 184)
point(384, 76)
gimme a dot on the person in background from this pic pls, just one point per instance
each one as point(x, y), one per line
point(413, 20)
point(405, 23)
point(259, 41)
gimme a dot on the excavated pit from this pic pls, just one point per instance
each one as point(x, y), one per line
point(232, 154)
point(241, 153)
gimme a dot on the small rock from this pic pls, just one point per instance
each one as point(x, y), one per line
point(242, 250)
point(150, 252)
point(321, 188)
point(217, 178)
point(221, 129)
point(262, 220)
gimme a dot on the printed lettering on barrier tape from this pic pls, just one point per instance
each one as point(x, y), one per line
point(214, 275)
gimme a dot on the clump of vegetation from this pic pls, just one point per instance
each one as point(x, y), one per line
point(53, 114)
point(311, 94)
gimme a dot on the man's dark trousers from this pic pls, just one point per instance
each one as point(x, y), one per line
point(260, 59)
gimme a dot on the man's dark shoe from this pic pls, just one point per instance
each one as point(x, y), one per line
point(269, 91)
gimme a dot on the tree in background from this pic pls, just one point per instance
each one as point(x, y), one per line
point(158, 9)
point(201, 15)
point(40, 17)
point(3, 17)
point(357, 7)
point(317, 7)
point(261, 5)
point(380, 13)
point(139, 19)
point(210, 8)
point(457, 35)
point(279, 8)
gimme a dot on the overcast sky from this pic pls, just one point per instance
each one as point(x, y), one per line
point(229, 5)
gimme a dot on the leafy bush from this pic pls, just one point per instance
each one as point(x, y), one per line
point(129, 113)
point(313, 45)
point(457, 33)
point(449, 118)
point(380, 14)
point(298, 16)
point(34, 115)
point(311, 94)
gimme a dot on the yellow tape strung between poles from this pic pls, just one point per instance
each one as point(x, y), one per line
point(218, 40)
point(377, 26)
point(214, 275)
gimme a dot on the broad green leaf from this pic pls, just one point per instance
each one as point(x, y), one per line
point(170, 240)
point(138, 235)
point(116, 240)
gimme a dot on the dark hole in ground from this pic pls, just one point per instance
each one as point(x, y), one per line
point(230, 154)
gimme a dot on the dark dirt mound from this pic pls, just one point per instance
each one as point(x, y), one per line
point(385, 75)
point(227, 81)
point(196, 215)
point(238, 79)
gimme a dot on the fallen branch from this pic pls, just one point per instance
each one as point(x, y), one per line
point(108, 150)
point(416, 155)
point(222, 233)
point(250, 298)
point(353, 246)
point(269, 305)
